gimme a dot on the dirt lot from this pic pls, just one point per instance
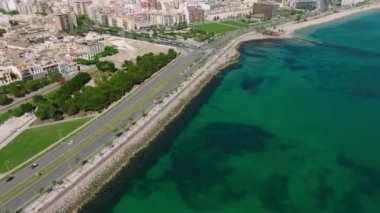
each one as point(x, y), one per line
point(129, 49)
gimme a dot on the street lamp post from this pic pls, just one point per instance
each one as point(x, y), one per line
point(71, 166)
point(60, 134)
point(6, 165)
point(3, 207)
point(68, 161)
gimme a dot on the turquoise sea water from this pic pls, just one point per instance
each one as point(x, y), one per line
point(294, 126)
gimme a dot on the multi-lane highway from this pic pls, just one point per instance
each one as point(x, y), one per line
point(164, 81)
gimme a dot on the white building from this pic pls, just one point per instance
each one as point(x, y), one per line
point(89, 48)
point(8, 4)
point(81, 6)
point(9, 74)
point(350, 3)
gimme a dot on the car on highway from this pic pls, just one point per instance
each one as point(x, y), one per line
point(34, 165)
point(71, 142)
point(10, 178)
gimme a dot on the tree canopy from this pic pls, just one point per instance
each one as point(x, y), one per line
point(2, 32)
point(9, 12)
point(74, 96)
point(105, 66)
point(5, 100)
point(21, 88)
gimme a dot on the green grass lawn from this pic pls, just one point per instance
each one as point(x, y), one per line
point(235, 23)
point(50, 94)
point(214, 28)
point(34, 140)
point(4, 117)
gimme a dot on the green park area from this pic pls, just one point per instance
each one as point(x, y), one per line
point(214, 28)
point(34, 140)
point(238, 24)
point(220, 27)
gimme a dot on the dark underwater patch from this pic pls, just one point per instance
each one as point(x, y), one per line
point(324, 193)
point(250, 84)
point(196, 173)
point(200, 167)
point(294, 64)
point(273, 193)
point(368, 177)
point(235, 138)
point(368, 185)
point(256, 54)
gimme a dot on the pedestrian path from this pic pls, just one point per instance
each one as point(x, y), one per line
point(13, 127)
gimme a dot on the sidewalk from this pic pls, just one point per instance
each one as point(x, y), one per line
point(13, 127)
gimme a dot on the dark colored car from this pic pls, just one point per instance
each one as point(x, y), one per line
point(34, 165)
point(10, 178)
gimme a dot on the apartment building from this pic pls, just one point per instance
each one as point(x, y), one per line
point(65, 21)
point(81, 6)
point(267, 10)
point(9, 74)
point(89, 48)
point(196, 14)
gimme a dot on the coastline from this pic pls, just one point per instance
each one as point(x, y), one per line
point(290, 29)
point(91, 180)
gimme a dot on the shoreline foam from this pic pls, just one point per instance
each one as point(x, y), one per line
point(92, 180)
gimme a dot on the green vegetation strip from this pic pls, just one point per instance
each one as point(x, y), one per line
point(154, 91)
point(34, 140)
point(235, 23)
point(87, 141)
point(214, 28)
point(4, 117)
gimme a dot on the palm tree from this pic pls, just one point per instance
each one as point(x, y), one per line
point(41, 191)
point(82, 164)
point(126, 128)
point(55, 183)
point(130, 119)
point(77, 159)
point(115, 132)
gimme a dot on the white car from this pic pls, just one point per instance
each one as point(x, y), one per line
point(71, 142)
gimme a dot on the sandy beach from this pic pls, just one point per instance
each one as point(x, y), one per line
point(80, 186)
point(291, 28)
